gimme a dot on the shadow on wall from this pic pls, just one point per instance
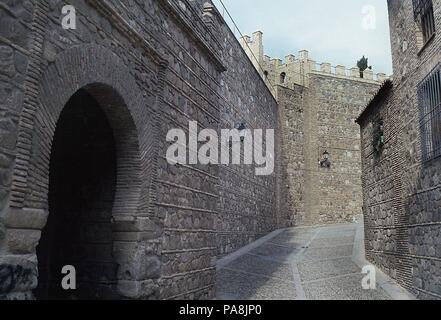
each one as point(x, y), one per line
point(425, 237)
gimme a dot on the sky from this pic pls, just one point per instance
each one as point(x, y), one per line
point(339, 32)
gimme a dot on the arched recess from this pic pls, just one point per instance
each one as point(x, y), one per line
point(102, 75)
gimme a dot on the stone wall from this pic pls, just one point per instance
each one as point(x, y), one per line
point(18, 273)
point(314, 120)
point(334, 103)
point(247, 202)
point(401, 192)
point(293, 183)
point(152, 66)
point(317, 109)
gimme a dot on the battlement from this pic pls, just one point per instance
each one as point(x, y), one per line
point(353, 73)
point(297, 69)
point(324, 67)
point(253, 47)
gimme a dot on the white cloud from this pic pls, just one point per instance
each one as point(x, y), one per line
point(331, 30)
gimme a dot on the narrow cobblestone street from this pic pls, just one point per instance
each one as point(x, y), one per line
point(311, 263)
point(165, 150)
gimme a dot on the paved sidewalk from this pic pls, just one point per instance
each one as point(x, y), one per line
point(312, 263)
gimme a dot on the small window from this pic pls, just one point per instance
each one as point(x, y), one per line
point(429, 95)
point(423, 11)
point(265, 73)
point(282, 77)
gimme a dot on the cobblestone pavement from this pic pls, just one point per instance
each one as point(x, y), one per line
point(313, 263)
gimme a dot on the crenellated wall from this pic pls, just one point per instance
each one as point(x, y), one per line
point(317, 108)
point(296, 70)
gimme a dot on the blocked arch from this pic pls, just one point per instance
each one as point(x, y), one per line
point(103, 75)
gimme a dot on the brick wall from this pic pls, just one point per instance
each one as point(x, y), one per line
point(401, 192)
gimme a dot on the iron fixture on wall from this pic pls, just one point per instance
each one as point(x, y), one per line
point(325, 162)
point(379, 137)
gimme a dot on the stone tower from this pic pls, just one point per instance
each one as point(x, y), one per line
point(318, 105)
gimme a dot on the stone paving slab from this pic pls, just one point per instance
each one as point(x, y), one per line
point(311, 270)
point(342, 288)
point(302, 263)
point(257, 265)
point(241, 286)
point(279, 253)
point(318, 254)
point(338, 228)
point(285, 241)
point(299, 232)
point(332, 242)
point(336, 234)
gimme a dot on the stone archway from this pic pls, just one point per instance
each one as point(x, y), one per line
point(124, 115)
point(82, 185)
point(94, 177)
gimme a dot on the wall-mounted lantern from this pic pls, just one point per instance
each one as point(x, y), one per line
point(379, 137)
point(325, 162)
